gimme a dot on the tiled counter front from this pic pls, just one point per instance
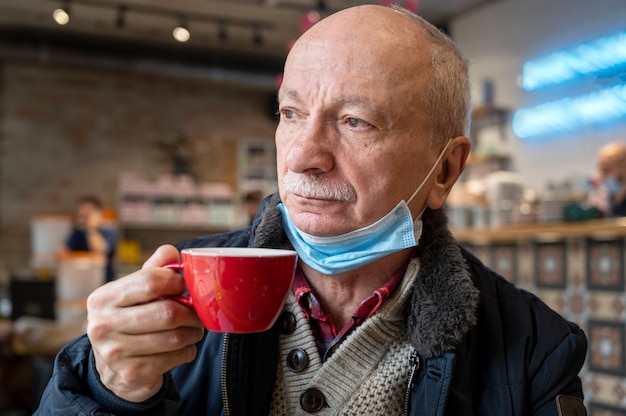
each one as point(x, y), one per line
point(578, 269)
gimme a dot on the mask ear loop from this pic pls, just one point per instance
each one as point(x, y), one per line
point(430, 172)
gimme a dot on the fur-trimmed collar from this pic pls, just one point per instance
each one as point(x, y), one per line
point(444, 300)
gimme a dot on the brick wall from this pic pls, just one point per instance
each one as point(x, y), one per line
point(67, 130)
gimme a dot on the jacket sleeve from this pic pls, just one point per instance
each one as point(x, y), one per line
point(75, 389)
point(554, 367)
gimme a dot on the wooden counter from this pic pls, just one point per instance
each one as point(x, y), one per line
point(596, 229)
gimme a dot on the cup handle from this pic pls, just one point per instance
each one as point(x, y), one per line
point(183, 300)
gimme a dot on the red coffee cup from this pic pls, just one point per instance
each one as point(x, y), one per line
point(236, 289)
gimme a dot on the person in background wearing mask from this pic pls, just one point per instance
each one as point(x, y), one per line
point(611, 160)
point(89, 234)
point(388, 314)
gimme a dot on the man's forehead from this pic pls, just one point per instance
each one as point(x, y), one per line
point(354, 65)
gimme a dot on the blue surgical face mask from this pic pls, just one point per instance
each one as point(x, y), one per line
point(338, 254)
point(612, 185)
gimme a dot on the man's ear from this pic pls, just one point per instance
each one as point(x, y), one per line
point(452, 165)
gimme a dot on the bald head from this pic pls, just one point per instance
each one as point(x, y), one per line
point(612, 160)
point(373, 32)
point(396, 51)
point(613, 150)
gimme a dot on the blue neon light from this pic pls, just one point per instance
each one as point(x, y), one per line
point(604, 54)
point(571, 113)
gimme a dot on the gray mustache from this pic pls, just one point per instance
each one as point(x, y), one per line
point(312, 186)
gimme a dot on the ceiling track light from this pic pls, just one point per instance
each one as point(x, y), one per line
point(181, 32)
point(62, 14)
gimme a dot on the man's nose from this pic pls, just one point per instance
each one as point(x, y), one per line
point(311, 148)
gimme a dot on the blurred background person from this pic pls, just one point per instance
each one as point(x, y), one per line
point(609, 186)
point(90, 234)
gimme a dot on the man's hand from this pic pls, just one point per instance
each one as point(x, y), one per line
point(137, 334)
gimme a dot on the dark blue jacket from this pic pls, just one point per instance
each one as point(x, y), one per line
point(483, 347)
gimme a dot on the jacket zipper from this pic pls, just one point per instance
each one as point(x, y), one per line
point(414, 361)
point(225, 348)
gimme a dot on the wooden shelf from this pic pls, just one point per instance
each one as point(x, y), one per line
point(489, 111)
point(475, 159)
point(174, 227)
point(603, 229)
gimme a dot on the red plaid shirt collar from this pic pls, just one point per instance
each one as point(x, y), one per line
point(324, 330)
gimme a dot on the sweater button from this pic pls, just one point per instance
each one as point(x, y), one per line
point(297, 360)
point(312, 400)
point(287, 323)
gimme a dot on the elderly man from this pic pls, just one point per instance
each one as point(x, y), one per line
point(388, 314)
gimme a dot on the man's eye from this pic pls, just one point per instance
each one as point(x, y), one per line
point(356, 122)
point(288, 114)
